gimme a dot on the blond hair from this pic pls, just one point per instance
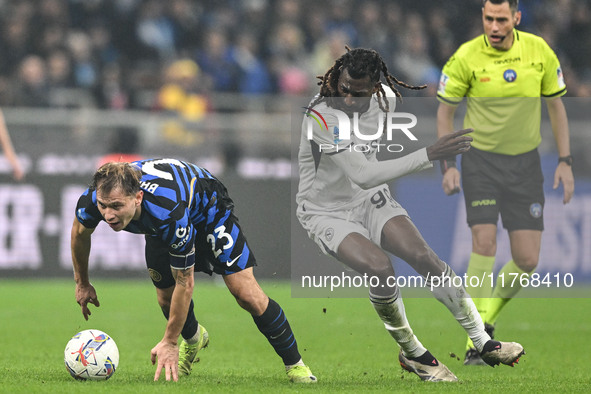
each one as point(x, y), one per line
point(117, 175)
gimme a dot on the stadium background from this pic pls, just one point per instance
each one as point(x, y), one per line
point(219, 83)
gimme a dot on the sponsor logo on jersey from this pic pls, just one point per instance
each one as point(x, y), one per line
point(507, 61)
point(510, 75)
point(182, 233)
point(535, 210)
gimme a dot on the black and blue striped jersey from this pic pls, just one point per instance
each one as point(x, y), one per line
point(180, 200)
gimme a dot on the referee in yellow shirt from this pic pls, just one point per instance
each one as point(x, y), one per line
point(503, 73)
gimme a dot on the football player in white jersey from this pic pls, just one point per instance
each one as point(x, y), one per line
point(345, 205)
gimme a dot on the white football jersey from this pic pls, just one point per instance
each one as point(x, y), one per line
point(322, 182)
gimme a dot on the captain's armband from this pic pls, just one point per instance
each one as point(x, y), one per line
point(182, 262)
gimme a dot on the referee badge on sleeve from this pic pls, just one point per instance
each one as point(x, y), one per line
point(560, 77)
point(442, 83)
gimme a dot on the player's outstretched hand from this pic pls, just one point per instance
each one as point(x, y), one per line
point(167, 355)
point(86, 294)
point(450, 145)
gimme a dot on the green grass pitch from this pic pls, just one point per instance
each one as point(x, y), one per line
point(342, 340)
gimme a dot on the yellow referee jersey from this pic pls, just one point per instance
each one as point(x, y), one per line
point(503, 90)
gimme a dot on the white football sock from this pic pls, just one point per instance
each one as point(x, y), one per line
point(300, 363)
point(195, 338)
point(453, 295)
point(391, 311)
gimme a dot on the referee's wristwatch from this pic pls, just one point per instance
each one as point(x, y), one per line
point(566, 159)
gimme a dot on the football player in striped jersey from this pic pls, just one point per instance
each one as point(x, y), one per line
point(189, 224)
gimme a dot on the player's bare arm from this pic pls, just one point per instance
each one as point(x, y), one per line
point(445, 119)
point(451, 176)
point(367, 174)
point(559, 121)
point(80, 244)
point(166, 352)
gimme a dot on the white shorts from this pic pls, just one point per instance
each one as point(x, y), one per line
point(329, 228)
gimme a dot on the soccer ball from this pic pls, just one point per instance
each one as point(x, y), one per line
point(91, 354)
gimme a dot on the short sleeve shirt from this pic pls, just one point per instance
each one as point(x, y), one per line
point(503, 90)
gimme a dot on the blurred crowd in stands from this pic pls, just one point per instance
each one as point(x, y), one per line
point(148, 54)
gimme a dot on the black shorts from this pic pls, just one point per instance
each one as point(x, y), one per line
point(224, 235)
point(509, 185)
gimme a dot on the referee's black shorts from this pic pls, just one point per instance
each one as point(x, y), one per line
point(509, 185)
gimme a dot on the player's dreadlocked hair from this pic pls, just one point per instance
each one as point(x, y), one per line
point(360, 62)
point(113, 175)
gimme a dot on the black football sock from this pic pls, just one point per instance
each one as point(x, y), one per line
point(490, 346)
point(274, 326)
point(191, 325)
point(426, 358)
